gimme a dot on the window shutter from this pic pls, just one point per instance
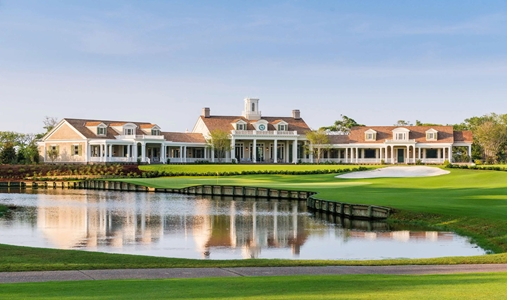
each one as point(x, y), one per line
point(58, 149)
point(80, 150)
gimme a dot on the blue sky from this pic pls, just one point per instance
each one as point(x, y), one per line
point(163, 61)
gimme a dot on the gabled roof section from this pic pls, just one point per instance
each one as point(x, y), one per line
point(370, 131)
point(81, 127)
point(417, 133)
point(183, 137)
point(149, 126)
point(463, 136)
point(431, 130)
point(225, 123)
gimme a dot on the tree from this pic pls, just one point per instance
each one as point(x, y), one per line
point(318, 139)
point(49, 123)
point(403, 123)
point(8, 154)
point(344, 125)
point(220, 142)
point(52, 154)
point(492, 137)
point(474, 124)
point(419, 123)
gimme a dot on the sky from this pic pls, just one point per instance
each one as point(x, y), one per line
point(163, 61)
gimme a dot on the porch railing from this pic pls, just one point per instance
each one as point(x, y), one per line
point(269, 133)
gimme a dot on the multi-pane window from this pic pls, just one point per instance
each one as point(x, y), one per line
point(101, 131)
point(128, 131)
point(155, 132)
point(282, 127)
point(401, 136)
point(75, 150)
point(241, 126)
point(431, 135)
point(370, 136)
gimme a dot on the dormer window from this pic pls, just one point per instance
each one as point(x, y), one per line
point(431, 135)
point(240, 126)
point(401, 134)
point(370, 135)
point(282, 127)
point(128, 131)
point(101, 130)
point(155, 131)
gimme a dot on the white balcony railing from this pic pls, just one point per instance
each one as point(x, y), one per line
point(257, 132)
point(139, 137)
point(411, 141)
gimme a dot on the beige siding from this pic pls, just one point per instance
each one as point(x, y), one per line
point(66, 151)
point(65, 132)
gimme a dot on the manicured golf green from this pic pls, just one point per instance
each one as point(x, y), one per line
point(468, 286)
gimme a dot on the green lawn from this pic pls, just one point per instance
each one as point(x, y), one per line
point(204, 168)
point(464, 286)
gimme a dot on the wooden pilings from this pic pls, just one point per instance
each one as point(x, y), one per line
point(353, 211)
point(359, 211)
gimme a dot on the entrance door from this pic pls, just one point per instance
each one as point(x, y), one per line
point(401, 155)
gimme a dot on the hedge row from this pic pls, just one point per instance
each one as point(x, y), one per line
point(152, 174)
point(475, 167)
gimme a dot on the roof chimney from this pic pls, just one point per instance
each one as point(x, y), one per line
point(206, 112)
point(296, 114)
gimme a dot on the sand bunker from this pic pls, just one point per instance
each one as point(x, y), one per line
point(415, 171)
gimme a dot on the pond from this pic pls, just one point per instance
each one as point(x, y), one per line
point(172, 225)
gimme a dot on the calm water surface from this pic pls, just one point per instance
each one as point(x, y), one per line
point(184, 226)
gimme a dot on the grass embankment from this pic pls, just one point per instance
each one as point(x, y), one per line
point(16, 258)
point(464, 286)
point(469, 202)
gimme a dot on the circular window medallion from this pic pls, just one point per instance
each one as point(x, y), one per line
point(262, 127)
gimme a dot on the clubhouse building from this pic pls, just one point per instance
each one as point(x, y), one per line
point(254, 139)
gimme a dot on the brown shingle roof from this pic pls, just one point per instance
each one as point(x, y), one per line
point(418, 133)
point(147, 125)
point(224, 123)
point(183, 137)
point(338, 139)
point(463, 136)
point(80, 125)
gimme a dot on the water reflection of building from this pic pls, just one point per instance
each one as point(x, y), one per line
point(249, 226)
point(95, 220)
point(86, 221)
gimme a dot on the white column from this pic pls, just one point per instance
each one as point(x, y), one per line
point(254, 151)
point(233, 149)
point(414, 154)
point(407, 159)
point(469, 153)
point(294, 151)
point(362, 154)
point(275, 151)
point(357, 155)
point(88, 151)
point(181, 154)
point(439, 154)
point(311, 153)
point(286, 158)
point(392, 154)
point(162, 153)
point(134, 152)
point(185, 153)
point(128, 152)
point(212, 155)
point(346, 155)
point(110, 151)
point(205, 153)
point(424, 153)
point(143, 151)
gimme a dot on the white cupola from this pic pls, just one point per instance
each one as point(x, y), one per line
point(252, 111)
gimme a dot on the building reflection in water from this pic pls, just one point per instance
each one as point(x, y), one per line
point(206, 227)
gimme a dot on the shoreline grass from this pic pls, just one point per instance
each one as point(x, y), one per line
point(450, 286)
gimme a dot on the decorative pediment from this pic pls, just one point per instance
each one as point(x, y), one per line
point(370, 135)
point(431, 135)
point(261, 125)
